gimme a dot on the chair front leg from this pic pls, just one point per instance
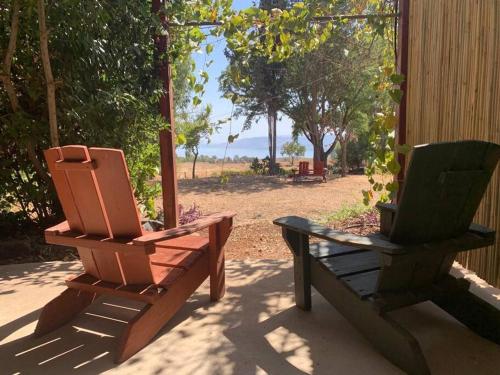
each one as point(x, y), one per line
point(218, 235)
point(299, 244)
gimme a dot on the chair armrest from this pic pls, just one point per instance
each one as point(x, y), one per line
point(482, 231)
point(183, 230)
point(372, 242)
point(386, 207)
point(387, 214)
point(57, 229)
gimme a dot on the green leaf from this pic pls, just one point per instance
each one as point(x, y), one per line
point(403, 149)
point(209, 48)
point(396, 95)
point(196, 101)
point(393, 166)
point(231, 138)
point(181, 139)
point(397, 79)
point(198, 88)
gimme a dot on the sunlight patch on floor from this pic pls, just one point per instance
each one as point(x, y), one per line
point(293, 347)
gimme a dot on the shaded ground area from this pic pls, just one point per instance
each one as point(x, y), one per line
point(254, 329)
point(259, 199)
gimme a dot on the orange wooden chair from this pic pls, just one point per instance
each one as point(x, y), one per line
point(161, 269)
point(304, 173)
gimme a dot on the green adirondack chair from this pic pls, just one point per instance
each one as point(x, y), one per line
point(408, 262)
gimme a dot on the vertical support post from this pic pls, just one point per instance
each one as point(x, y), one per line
point(167, 136)
point(402, 67)
point(299, 244)
point(218, 235)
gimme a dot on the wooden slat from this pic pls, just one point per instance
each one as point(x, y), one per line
point(91, 284)
point(167, 276)
point(97, 243)
point(88, 262)
point(63, 190)
point(348, 264)
point(113, 181)
point(363, 284)
point(85, 193)
point(193, 243)
point(325, 249)
point(174, 258)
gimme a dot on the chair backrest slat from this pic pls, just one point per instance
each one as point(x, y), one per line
point(63, 190)
point(443, 187)
point(118, 198)
point(85, 192)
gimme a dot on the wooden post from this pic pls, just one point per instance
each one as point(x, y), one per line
point(167, 136)
point(402, 66)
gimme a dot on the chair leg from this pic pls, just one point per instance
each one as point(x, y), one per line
point(472, 311)
point(218, 235)
point(62, 309)
point(385, 334)
point(302, 281)
point(148, 322)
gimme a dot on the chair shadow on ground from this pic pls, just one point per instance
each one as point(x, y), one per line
point(255, 329)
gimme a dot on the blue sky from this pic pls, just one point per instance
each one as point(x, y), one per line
point(221, 108)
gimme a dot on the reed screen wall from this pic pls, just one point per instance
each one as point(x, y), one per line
point(454, 92)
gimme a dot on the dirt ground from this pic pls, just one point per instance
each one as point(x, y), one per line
point(205, 169)
point(258, 200)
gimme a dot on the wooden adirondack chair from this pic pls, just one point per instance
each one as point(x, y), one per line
point(161, 269)
point(366, 277)
point(304, 173)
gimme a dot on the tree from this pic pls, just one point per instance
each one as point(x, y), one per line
point(194, 130)
point(293, 150)
point(329, 88)
point(356, 152)
point(255, 85)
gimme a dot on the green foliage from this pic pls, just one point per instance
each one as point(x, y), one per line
point(346, 212)
point(293, 150)
point(105, 90)
point(260, 167)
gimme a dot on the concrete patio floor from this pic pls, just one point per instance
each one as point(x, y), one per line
point(255, 329)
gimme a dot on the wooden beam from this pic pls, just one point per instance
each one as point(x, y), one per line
point(317, 19)
point(402, 67)
point(167, 136)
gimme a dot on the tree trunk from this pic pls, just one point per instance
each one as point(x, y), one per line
point(5, 75)
point(318, 152)
point(273, 157)
point(271, 139)
point(193, 174)
point(49, 78)
point(343, 158)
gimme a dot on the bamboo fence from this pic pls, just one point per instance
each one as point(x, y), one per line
point(454, 93)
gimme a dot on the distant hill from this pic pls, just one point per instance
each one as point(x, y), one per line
point(253, 146)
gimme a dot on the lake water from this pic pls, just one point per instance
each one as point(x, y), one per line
point(253, 147)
